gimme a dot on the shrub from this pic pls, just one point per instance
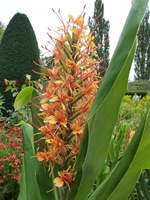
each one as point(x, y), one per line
point(18, 53)
point(10, 160)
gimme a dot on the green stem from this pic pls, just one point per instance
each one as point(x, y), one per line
point(56, 194)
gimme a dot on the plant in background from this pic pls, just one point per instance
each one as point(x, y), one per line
point(96, 137)
point(10, 160)
point(19, 54)
point(130, 114)
point(1, 105)
point(142, 56)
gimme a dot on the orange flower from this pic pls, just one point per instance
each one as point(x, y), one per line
point(42, 156)
point(63, 97)
point(61, 118)
point(70, 82)
point(79, 21)
point(58, 54)
point(90, 89)
point(57, 144)
point(58, 182)
point(77, 128)
point(53, 73)
point(47, 129)
point(65, 177)
point(51, 120)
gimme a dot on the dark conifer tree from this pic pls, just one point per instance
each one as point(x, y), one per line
point(100, 29)
point(18, 53)
point(142, 56)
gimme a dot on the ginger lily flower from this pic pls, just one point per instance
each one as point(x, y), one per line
point(71, 87)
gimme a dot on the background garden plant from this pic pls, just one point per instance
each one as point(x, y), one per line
point(10, 160)
point(19, 55)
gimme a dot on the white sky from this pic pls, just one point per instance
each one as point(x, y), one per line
point(40, 14)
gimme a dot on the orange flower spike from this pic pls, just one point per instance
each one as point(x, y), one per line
point(72, 84)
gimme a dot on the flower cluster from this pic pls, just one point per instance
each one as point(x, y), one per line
point(67, 97)
point(10, 153)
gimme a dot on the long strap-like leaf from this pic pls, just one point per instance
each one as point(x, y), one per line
point(123, 178)
point(29, 189)
point(35, 181)
point(105, 108)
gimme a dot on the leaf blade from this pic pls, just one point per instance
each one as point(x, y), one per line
point(23, 98)
point(115, 80)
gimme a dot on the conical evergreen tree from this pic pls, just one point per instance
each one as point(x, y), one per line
point(142, 56)
point(18, 53)
point(100, 29)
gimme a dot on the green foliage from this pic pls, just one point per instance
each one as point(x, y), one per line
point(100, 29)
point(48, 61)
point(18, 54)
point(131, 112)
point(23, 98)
point(32, 171)
point(29, 187)
point(125, 174)
point(1, 105)
point(142, 56)
point(10, 160)
point(141, 191)
point(98, 132)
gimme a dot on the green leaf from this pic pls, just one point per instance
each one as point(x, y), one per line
point(23, 98)
point(135, 168)
point(29, 188)
point(144, 148)
point(123, 178)
point(44, 182)
point(35, 181)
point(104, 111)
point(108, 186)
